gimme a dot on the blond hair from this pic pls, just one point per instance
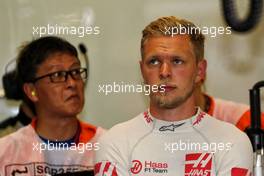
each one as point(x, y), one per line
point(160, 27)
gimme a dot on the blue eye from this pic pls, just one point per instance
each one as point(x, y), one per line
point(154, 61)
point(177, 61)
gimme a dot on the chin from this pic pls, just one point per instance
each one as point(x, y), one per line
point(71, 114)
point(166, 101)
point(72, 111)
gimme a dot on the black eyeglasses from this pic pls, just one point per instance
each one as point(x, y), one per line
point(62, 76)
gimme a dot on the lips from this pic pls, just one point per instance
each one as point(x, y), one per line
point(167, 88)
point(72, 97)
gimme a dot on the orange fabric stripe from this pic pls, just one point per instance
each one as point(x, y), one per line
point(87, 132)
point(212, 105)
point(33, 122)
point(245, 121)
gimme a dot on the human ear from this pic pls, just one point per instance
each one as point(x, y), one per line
point(30, 91)
point(201, 72)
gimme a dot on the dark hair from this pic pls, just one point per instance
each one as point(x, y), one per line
point(36, 52)
point(11, 87)
point(33, 55)
point(13, 91)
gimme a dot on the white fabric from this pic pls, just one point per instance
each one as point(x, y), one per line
point(20, 156)
point(145, 145)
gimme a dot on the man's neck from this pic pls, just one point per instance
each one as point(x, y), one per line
point(26, 109)
point(182, 112)
point(56, 128)
point(200, 99)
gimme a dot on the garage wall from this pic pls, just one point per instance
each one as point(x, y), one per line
point(235, 61)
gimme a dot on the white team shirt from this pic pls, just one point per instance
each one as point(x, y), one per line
point(23, 153)
point(198, 146)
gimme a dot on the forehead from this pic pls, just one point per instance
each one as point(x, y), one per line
point(57, 62)
point(167, 45)
point(60, 59)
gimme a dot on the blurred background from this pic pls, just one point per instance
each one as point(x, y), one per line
point(235, 61)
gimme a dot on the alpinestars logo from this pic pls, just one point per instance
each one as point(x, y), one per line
point(170, 127)
point(198, 164)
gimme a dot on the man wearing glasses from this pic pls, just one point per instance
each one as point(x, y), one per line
point(52, 81)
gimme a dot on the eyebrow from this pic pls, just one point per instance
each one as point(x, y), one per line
point(52, 66)
point(167, 55)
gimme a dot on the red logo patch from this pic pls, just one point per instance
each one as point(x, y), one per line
point(147, 117)
point(105, 168)
point(199, 118)
point(236, 171)
point(136, 166)
point(198, 164)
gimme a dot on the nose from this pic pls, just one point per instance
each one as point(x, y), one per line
point(70, 81)
point(165, 70)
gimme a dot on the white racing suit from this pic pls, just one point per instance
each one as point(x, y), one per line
point(23, 153)
point(198, 146)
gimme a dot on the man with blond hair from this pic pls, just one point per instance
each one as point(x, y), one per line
point(173, 137)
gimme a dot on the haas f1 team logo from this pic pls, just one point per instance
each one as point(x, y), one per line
point(198, 164)
point(136, 166)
